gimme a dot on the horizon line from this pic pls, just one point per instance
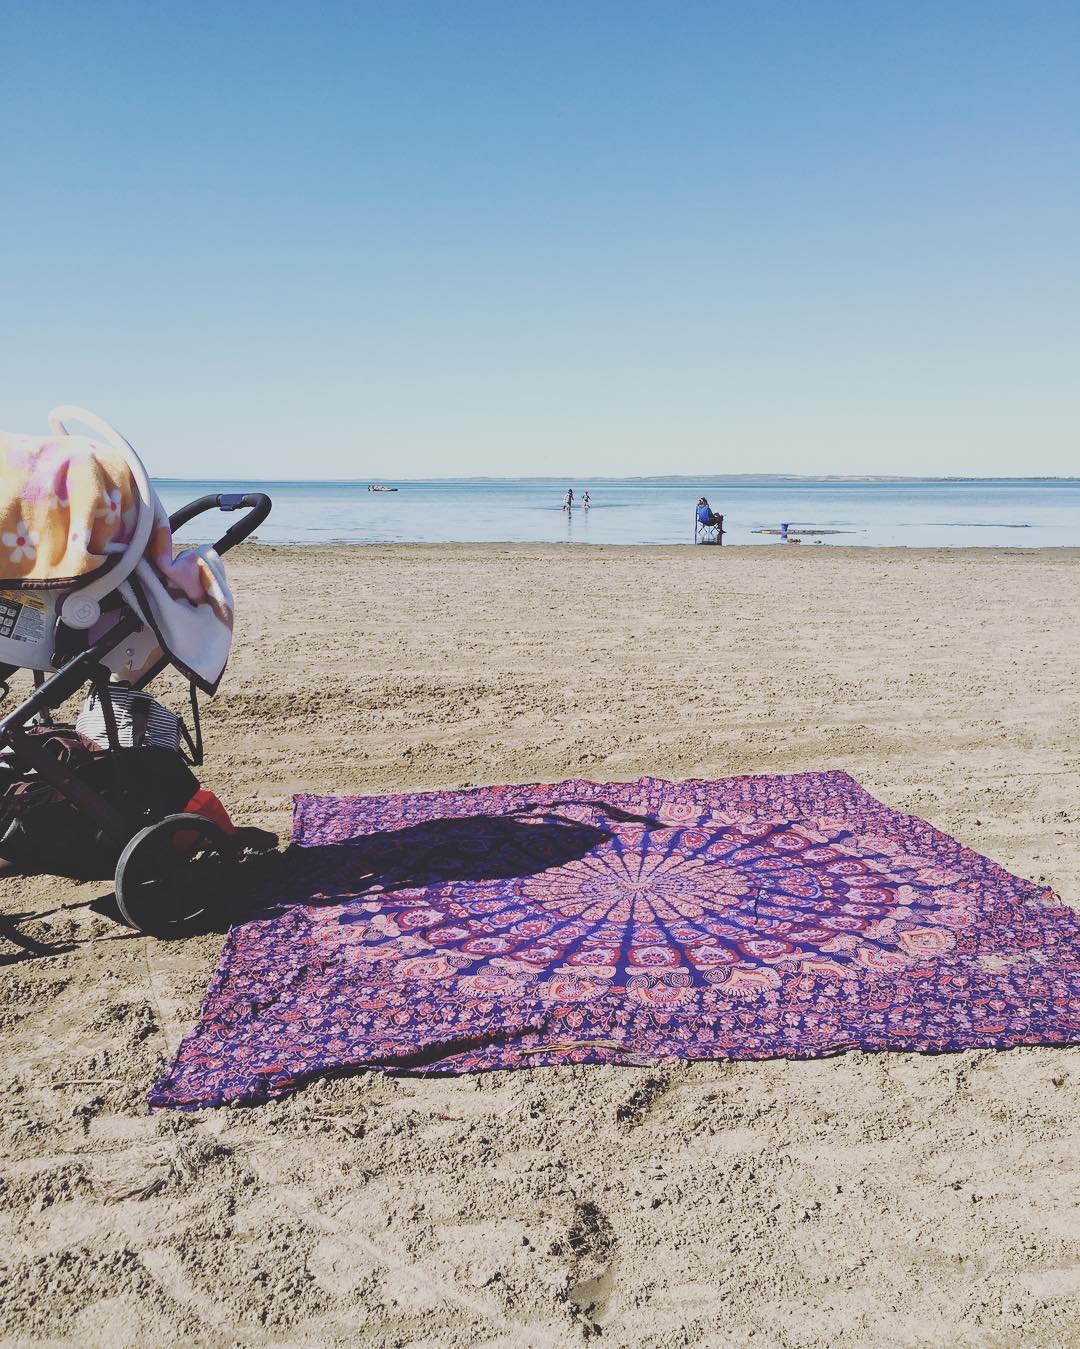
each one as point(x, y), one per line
point(653, 478)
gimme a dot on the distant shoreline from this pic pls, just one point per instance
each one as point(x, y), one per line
point(675, 479)
point(775, 545)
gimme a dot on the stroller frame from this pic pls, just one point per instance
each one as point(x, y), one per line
point(122, 826)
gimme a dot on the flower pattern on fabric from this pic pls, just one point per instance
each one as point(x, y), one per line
point(744, 918)
point(110, 510)
point(67, 505)
point(22, 542)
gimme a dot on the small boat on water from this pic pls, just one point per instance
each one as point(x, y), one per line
point(377, 487)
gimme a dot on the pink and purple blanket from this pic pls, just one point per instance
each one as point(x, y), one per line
point(650, 921)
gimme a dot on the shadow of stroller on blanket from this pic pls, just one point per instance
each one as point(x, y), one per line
point(372, 866)
point(443, 851)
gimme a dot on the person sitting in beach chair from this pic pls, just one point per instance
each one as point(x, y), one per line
point(708, 526)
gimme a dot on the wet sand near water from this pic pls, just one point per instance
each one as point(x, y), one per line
point(861, 1200)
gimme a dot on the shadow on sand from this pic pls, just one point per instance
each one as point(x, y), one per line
point(435, 852)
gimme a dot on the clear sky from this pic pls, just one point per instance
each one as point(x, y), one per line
point(440, 237)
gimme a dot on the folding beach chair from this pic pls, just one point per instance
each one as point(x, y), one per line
point(710, 533)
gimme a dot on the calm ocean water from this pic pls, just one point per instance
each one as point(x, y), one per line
point(1033, 513)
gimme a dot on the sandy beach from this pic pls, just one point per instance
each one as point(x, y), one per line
point(862, 1200)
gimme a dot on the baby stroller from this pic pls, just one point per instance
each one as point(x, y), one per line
point(72, 804)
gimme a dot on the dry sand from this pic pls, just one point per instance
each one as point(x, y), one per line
point(855, 1201)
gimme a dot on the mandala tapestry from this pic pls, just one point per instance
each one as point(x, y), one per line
point(642, 922)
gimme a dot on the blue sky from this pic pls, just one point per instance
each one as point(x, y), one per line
point(420, 238)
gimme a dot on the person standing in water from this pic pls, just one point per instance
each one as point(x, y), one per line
point(568, 503)
point(585, 500)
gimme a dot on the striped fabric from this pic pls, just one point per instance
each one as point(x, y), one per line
point(141, 721)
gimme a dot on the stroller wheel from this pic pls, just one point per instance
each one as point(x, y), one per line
point(173, 875)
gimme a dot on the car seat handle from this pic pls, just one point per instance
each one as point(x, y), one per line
point(59, 418)
point(82, 609)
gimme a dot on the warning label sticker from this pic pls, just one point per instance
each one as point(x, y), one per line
point(22, 616)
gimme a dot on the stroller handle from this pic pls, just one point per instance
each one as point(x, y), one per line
point(257, 505)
